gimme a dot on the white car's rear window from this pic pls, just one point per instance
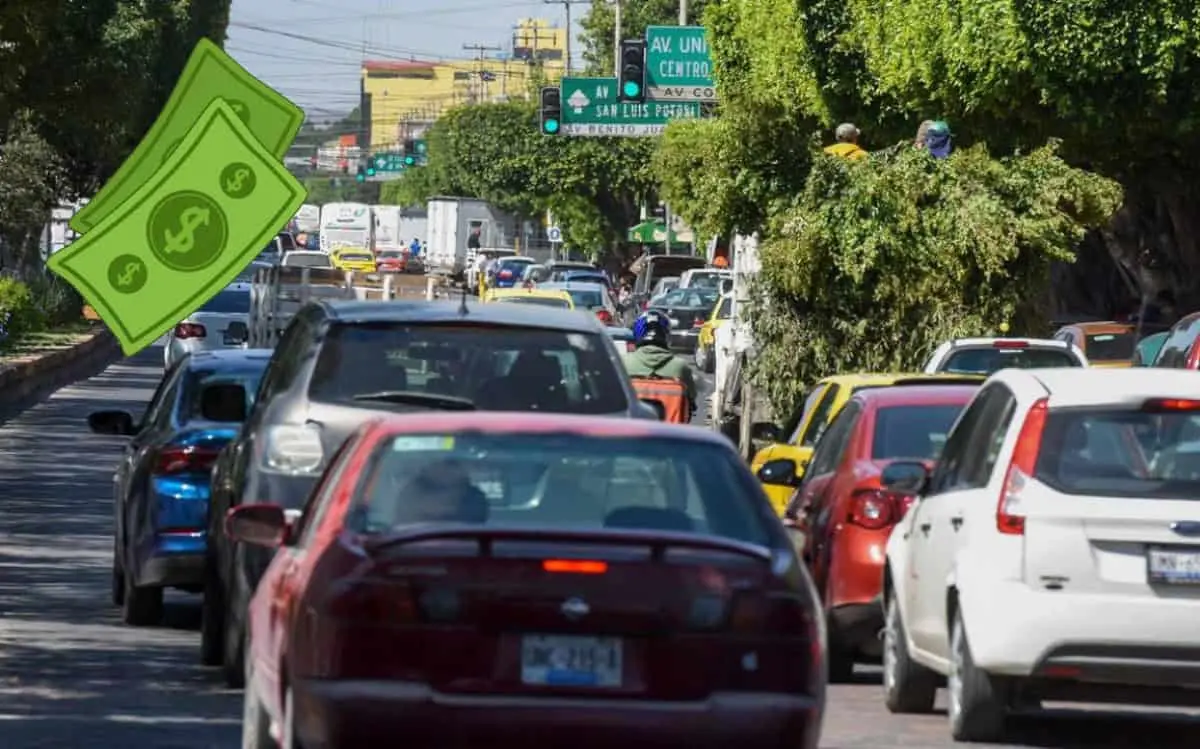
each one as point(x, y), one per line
point(987, 359)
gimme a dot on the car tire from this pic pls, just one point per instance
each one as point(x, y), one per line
point(908, 687)
point(256, 722)
point(118, 577)
point(233, 652)
point(977, 700)
point(143, 606)
point(702, 358)
point(212, 618)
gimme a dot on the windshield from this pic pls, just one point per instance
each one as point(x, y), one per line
point(691, 298)
point(498, 369)
point(1122, 453)
point(587, 298)
point(228, 302)
point(707, 280)
point(558, 481)
point(916, 432)
point(191, 395)
point(1110, 347)
point(985, 361)
point(587, 278)
point(389, 254)
point(541, 301)
point(287, 242)
point(307, 260)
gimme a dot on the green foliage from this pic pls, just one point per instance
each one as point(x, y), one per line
point(881, 260)
point(29, 172)
point(18, 308)
point(598, 26)
point(495, 152)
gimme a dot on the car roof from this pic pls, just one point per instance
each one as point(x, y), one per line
point(917, 395)
point(421, 311)
point(572, 286)
point(1075, 386)
point(498, 422)
point(229, 357)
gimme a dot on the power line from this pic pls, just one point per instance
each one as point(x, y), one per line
point(481, 50)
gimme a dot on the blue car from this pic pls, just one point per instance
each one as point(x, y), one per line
point(508, 270)
point(161, 487)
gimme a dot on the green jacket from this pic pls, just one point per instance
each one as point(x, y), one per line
point(650, 361)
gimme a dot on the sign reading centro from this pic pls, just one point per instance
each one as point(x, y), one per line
point(678, 64)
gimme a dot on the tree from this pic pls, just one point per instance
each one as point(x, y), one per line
point(599, 27)
point(496, 153)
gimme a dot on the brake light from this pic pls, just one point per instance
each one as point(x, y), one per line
point(1010, 344)
point(190, 330)
point(1009, 521)
point(368, 601)
point(698, 322)
point(575, 566)
point(1159, 405)
point(505, 274)
point(604, 316)
point(174, 460)
point(875, 509)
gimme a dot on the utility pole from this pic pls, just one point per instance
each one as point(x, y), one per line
point(566, 4)
point(617, 39)
point(683, 12)
point(481, 49)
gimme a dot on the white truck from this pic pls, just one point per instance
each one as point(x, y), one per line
point(308, 218)
point(345, 225)
point(734, 343)
point(452, 221)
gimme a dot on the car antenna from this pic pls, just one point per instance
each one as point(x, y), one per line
point(462, 302)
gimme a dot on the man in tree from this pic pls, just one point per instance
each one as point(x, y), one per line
point(938, 140)
point(922, 133)
point(847, 143)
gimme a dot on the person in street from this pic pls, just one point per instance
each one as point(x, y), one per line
point(939, 139)
point(847, 143)
point(414, 249)
point(653, 357)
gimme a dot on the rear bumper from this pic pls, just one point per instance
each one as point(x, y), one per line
point(684, 340)
point(336, 714)
point(176, 560)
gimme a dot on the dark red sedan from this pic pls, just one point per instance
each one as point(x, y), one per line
point(487, 579)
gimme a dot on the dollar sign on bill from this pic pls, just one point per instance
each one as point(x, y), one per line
point(127, 274)
point(185, 239)
point(126, 278)
point(237, 181)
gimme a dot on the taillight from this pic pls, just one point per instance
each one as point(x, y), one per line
point(1009, 520)
point(1010, 344)
point(875, 509)
point(505, 274)
point(190, 330)
point(604, 316)
point(369, 601)
point(1166, 405)
point(758, 612)
point(698, 322)
point(174, 460)
point(575, 566)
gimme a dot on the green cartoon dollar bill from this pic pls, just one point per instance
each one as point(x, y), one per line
point(209, 73)
point(185, 233)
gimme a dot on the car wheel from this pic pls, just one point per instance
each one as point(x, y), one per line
point(143, 606)
point(212, 619)
point(118, 577)
point(233, 654)
point(977, 700)
point(908, 687)
point(700, 357)
point(256, 723)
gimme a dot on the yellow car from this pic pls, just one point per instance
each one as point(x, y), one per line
point(541, 297)
point(359, 261)
point(821, 405)
point(706, 341)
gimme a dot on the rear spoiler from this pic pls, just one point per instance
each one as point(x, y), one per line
point(658, 541)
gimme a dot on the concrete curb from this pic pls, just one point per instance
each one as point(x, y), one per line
point(24, 380)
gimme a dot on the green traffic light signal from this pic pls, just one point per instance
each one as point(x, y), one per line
point(360, 177)
point(550, 126)
point(370, 171)
point(631, 89)
point(409, 160)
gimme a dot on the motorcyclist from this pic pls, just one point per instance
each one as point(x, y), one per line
point(653, 357)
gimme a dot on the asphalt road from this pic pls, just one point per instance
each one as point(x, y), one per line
point(71, 675)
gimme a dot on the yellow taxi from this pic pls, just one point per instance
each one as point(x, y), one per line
point(821, 405)
point(1108, 345)
point(349, 258)
point(540, 297)
point(706, 341)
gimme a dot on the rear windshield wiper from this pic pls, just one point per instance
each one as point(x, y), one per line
point(409, 398)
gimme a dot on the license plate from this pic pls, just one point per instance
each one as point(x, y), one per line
point(557, 660)
point(1173, 566)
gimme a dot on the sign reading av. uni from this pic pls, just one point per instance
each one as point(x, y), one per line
point(590, 108)
point(678, 64)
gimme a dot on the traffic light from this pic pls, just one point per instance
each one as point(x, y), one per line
point(633, 70)
point(361, 176)
point(551, 110)
point(371, 168)
point(410, 152)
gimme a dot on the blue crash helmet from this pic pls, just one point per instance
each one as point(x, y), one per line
point(652, 329)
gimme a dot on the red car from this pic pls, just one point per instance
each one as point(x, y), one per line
point(391, 261)
point(846, 517)
point(484, 579)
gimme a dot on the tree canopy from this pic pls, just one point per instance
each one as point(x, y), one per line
point(80, 83)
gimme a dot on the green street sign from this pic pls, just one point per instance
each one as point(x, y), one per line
point(590, 109)
point(678, 64)
point(388, 162)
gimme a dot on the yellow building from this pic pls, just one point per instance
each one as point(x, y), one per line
point(407, 95)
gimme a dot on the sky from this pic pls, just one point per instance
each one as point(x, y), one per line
point(311, 50)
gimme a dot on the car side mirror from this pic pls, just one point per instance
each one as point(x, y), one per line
point(660, 411)
point(779, 472)
point(263, 525)
point(764, 431)
point(111, 422)
point(909, 477)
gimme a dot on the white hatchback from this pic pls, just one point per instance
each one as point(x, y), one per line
point(986, 355)
point(1054, 552)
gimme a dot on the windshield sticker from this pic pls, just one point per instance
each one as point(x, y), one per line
point(431, 443)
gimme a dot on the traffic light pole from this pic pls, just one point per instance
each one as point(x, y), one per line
point(667, 222)
point(617, 38)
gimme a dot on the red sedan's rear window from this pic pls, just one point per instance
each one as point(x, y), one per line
point(916, 432)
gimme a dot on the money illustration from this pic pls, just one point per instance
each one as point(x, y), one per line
point(185, 233)
point(209, 74)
